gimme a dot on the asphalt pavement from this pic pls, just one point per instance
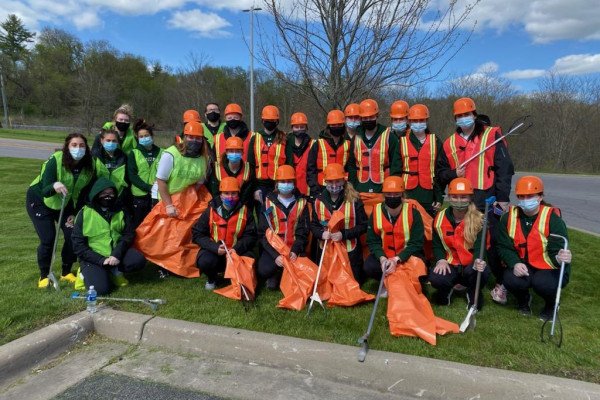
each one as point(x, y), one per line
point(27, 148)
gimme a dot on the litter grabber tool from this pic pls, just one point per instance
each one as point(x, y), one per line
point(267, 213)
point(315, 294)
point(470, 320)
point(520, 123)
point(51, 277)
point(364, 339)
point(552, 332)
point(152, 303)
point(247, 299)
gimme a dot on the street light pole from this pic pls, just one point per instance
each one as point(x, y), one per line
point(251, 11)
point(4, 103)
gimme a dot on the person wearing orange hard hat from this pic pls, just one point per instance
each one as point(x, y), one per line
point(230, 163)
point(331, 147)
point(297, 147)
point(533, 257)
point(213, 124)
point(234, 127)
point(288, 214)
point(352, 119)
point(266, 152)
point(399, 117)
point(188, 116)
point(457, 236)
point(225, 225)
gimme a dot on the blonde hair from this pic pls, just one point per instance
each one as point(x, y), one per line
point(123, 109)
point(473, 225)
point(350, 194)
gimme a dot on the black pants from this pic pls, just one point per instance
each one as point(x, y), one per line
point(356, 262)
point(466, 276)
point(99, 275)
point(372, 268)
point(141, 206)
point(210, 264)
point(493, 258)
point(266, 268)
point(543, 281)
point(44, 221)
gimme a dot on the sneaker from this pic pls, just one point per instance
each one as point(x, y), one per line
point(163, 273)
point(525, 309)
point(70, 278)
point(210, 286)
point(459, 288)
point(79, 283)
point(546, 314)
point(119, 280)
point(273, 283)
point(499, 294)
point(43, 283)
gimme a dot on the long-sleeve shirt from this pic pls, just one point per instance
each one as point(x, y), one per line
point(360, 217)
point(415, 244)
point(132, 167)
point(439, 253)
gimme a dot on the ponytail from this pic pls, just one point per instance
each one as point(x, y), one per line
point(473, 225)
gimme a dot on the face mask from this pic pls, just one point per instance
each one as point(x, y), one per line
point(146, 141)
point(299, 133)
point(193, 148)
point(110, 146)
point(465, 122)
point(234, 157)
point(337, 132)
point(285, 187)
point(213, 116)
point(230, 201)
point(107, 201)
point(352, 124)
point(369, 125)
point(77, 153)
point(399, 126)
point(529, 205)
point(233, 123)
point(270, 125)
point(418, 126)
point(459, 205)
point(393, 202)
point(334, 189)
point(122, 126)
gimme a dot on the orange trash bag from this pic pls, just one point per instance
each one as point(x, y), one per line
point(298, 276)
point(240, 270)
point(409, 312)
point(167, 241)
point(370, 200)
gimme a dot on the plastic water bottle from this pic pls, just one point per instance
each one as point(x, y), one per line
point(91, 300)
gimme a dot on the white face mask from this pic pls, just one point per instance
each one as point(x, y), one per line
point(77, 153)
point(530, 205)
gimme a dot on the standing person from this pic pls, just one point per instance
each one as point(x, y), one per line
point(231, 164)
point(340, 195)
point(225, 220)
point(490, 174)
point(68, 172)
point(419, 149)
point(142, 164)
point(213, 123)
point(111, 163)
point(395, 231)
point(374, 156)
point(331, 147)
point(289, 219)
point(102, 237)
point(457, 235)
point(352, 120)
point(267, 152)
point(121, 124)
point(399, 118)
point(532, 256)
point(234, 127)
point(297, 148)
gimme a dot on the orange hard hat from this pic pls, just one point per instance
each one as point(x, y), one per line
point(368, 108)
point(298, 119)
point(234, 143)
point(399, 109)
point(191, 115)
point(352, 110)
point(334, 171)
point(529, 185)
point(233, 108)
point(463, 105)
point(460, 186)
point(418, 111)
point(270, 112)
point(285, 172)
point(335, 117)
point(193, 128)
point(393, 184)
point(229, 184)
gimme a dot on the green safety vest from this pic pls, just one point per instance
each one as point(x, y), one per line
point(74, 185)
point(116, 176)
point(102, 235)
point(208, 134)
point(146, 172)
point(186, 170)
point(129, 141)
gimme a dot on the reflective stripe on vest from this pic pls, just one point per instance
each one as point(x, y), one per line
point(453, 240)
point(186, 170)
point(285, 225)
point(349, 218)
point(418, 167)
point(228, 229)
point(301, 164)
point(267, 158)
point(394, 238)
point(209, 135)
point(242, 176)
point(221, 144)
point(534, 248)
point(373, 163)
point(146, 172)
point(102, 236)
point(328, 155)
point(116, 176)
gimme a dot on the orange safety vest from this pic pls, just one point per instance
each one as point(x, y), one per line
point(300, 165)
point(394, 238)
point(285, 225)
point(453, 240)
point(373, 164)
point(418, 167)
point(228, 229)
point(327, 155)
point(324, 215)
point(242, 176)
point(533, 247)
point(480, 171)
point(267, 158)
point(221, 142)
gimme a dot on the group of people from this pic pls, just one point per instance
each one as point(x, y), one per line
point(388, 181)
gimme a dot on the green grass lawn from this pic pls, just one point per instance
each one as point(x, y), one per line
point(503, 339)
point(41, 136)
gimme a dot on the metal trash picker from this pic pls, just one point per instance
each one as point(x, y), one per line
point(52, 280)
point(152, 303)
point(556, 326)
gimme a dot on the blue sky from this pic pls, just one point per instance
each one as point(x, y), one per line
point(520, 40)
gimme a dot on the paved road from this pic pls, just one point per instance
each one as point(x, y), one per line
point(27, 148)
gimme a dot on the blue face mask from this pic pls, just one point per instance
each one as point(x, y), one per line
point(234, 157)
point(529, 205)
point(146, 141)
point(285, 187)
point(352, 124)
point(418, 126)
point(110, 146)
point(77, 153)
point(465, 122)
point(230, 202)
point(399, 126)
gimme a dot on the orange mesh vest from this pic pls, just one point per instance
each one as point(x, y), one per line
point(221, 142)
point(418, 167)
point(242, 177)
point(372, 164)
point(285, 225)
point(228, 229)
point(453, 240)
point(394, 238)
point(268, 159)
point(300, 164)
point(327, 155)
point(324, 215)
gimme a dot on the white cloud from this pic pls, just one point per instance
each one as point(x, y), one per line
point(578, 64)
point(525, 74)
point(87, 19)
point(487, 68)
point(205, 24)
point(137, 7)
point(229, 4)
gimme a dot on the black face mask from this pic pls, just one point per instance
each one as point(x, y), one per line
point(122, 126)
point(192, 148)
point(393, 202)
point(369, 125)
point(337, 132)
point(213, 116)
point(299, 133)
point(270, 125)
point(233, 123)
point(107, 201)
